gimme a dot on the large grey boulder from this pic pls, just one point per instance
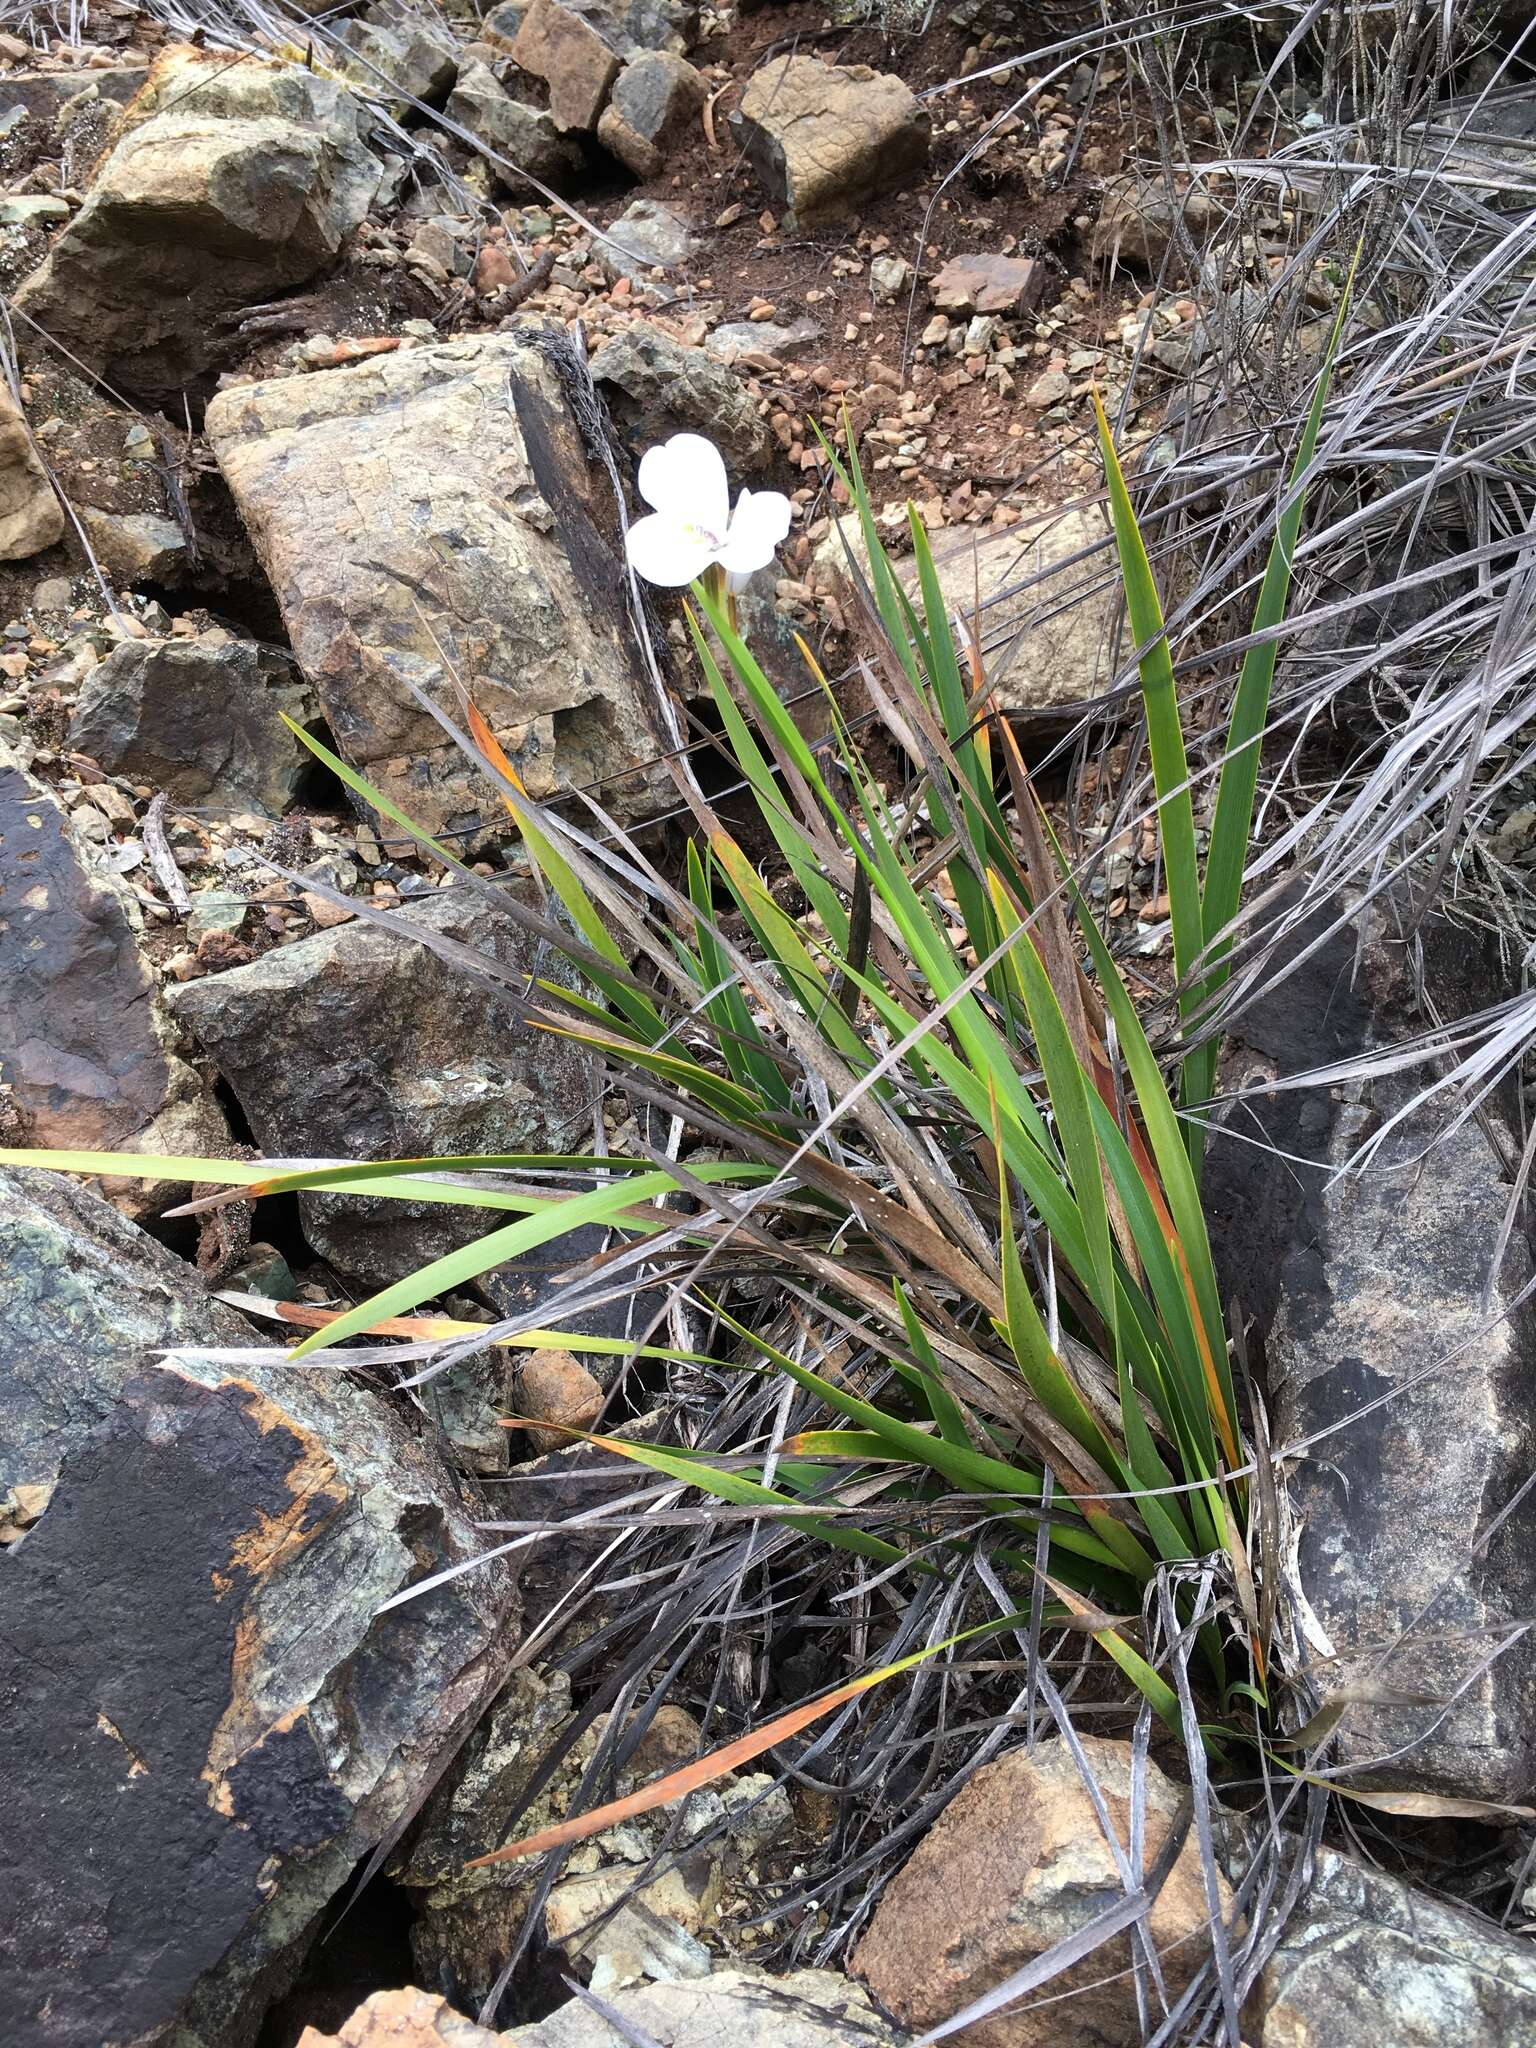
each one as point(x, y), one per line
point(232, 182)
point(89, 1058)
point(439, 507)
point(201, 719)
point(359, 1043)
point(398, 53)
point(1366, 1957)
point(30, 515)
point(205, 1722)
point(1411, 1396)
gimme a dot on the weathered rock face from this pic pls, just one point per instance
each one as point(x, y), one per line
point(204, 1723)
point(556, 44)
point(200, 719)
point(441, 503)
point(1367, 1958)
point(1048, 620)
point(358, 1043)
point(656, 387)
point(1368, 1281)
point(1138, 221)
point(30, 515)
point(88, 1056)
point(655, 97)
point(1015, 1864)
point(823, 137)
point(526, 137)
point(987, 284)
point(231, 184)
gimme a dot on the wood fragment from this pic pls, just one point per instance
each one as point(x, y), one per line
point(161, 860)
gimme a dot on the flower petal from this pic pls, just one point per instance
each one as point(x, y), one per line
point(685, 477)
point(759, 523)
point(663, 550)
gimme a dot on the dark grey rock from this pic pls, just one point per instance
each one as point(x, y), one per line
point(524, 138)
point(401, 53)
point(200, 719)
point(656, 386)
point(204, 1721)
point(1370, 1285)
point(88, 1055)
point(655, 98)
point(1368, 1958)
point(231, 184)
point(358, 1043)
point(633, 26)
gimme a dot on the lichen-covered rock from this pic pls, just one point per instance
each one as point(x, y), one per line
point(1367, 1281)
point(824, 137)
point(231, 183)
point(89, 1058)
point(398, 53)
point(1016, 1863)
point(522, 137)
point(361, 1043)
point(200, 719)
point(647, 235)
point(30, 515)
point(744, 2008)
point(656, 387)
point(655, 97)
point(205, 1722)
point(440, 504)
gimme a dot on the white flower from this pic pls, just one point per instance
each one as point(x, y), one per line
point(693, 527)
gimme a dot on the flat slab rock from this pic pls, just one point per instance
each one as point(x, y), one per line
point(439, 506)
point(204, 1721)
point(90, 1055)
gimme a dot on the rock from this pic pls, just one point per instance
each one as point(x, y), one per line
point(358, 1043)
point(1014, 1864)
point(1367, 1958)
point(30, 515)
point(745, 2008)
point(200, 719)
point(646, 236)
point(1047, 622)
point(563, 49)
point(987, 284)
point(657, 387)
point(135, 547)
point(1137, 222)
point(53, 594)
point(824, 137)
point(1364, 1281)
point(89, 1299)
point(216, 910)
point(438, 502)
point(398, 53)
point(634, 26)
point(404, 2019)
point(557, 1390)
point(90, 1056)
point(655, 97)
point(526, 138)
point(733, 338)
point(232, 183)
point(889, 276)
point(1051, 387)
point(205, 1723)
